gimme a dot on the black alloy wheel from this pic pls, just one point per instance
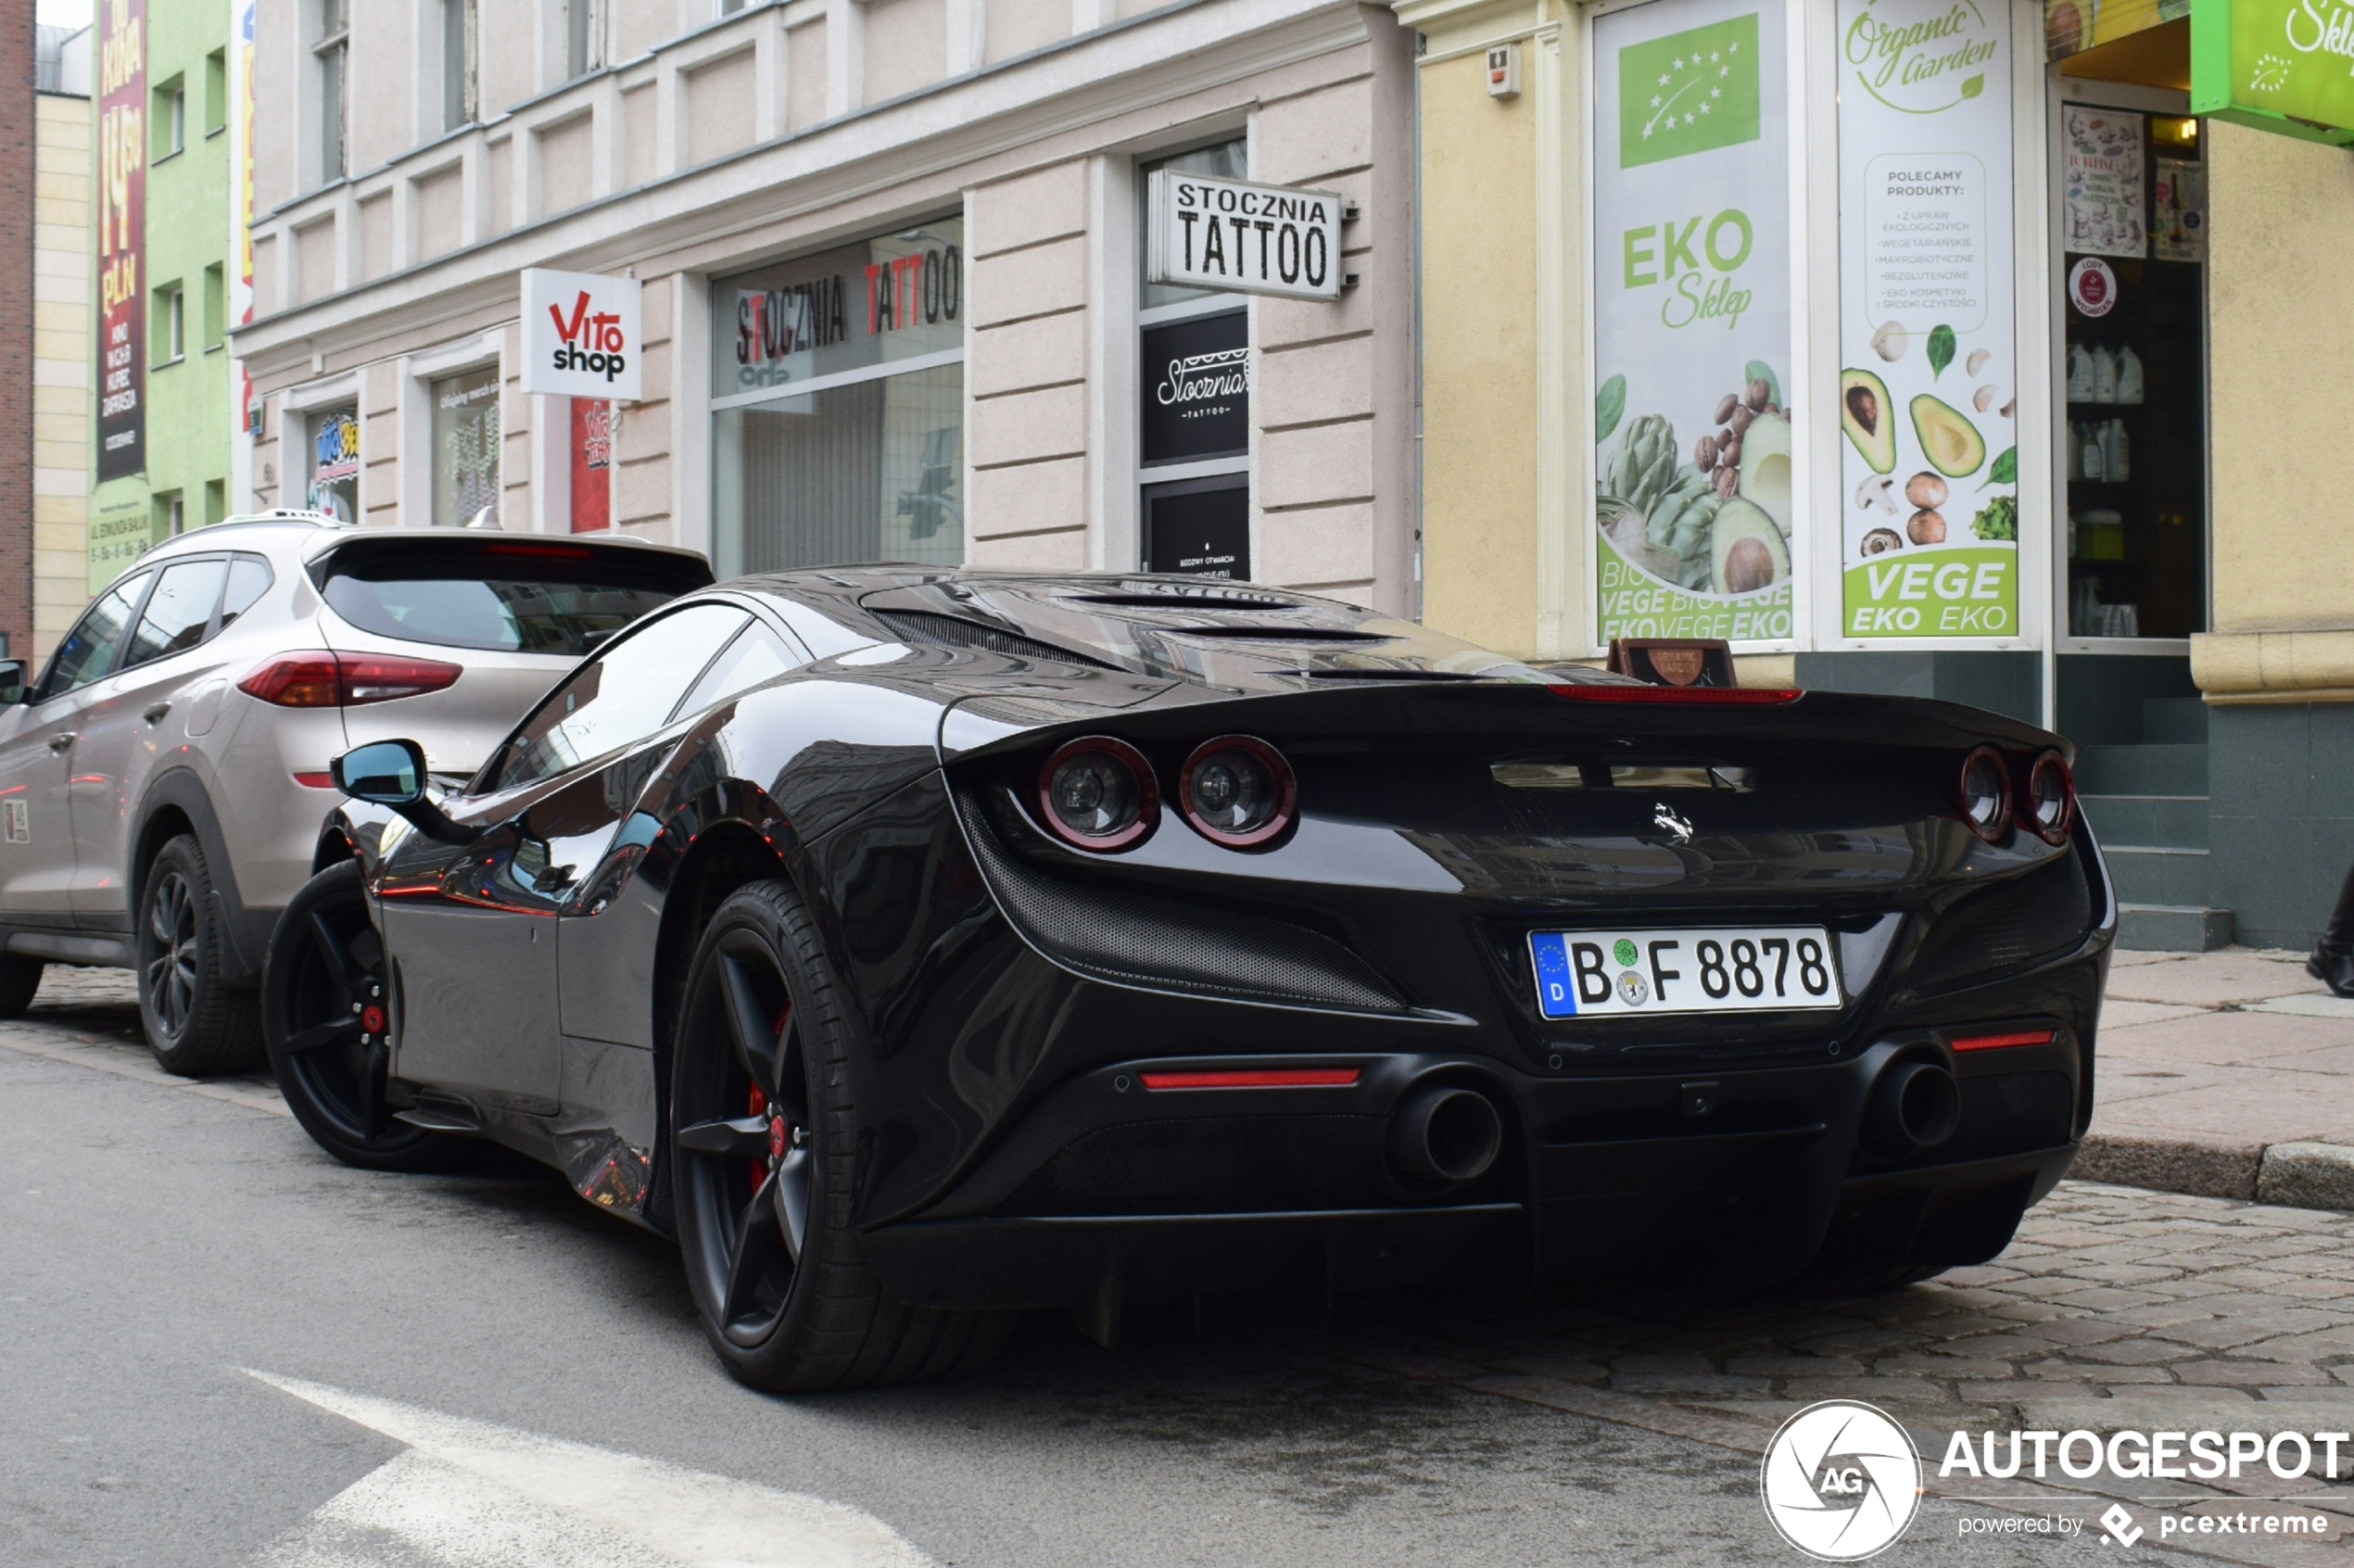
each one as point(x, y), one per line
point(760, 1148)
point(327, 1016)
point(19, 980)
point(196, 1024)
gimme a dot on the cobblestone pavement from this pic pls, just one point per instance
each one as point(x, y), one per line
point(2115, 1308)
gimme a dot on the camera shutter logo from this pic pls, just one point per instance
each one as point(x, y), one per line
point(1841, 1481)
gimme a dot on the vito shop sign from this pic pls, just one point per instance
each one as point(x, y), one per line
point(582, 335)
point(1241, 238)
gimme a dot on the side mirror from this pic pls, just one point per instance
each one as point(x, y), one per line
point(392, 773)
point(386, 772)
point(16, 683)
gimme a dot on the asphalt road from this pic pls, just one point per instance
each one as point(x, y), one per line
point(217, 1347)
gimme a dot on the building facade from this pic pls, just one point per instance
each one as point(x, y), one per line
point(1999, 285)
point(894, 291)
point(166, 430)
point(64, 230)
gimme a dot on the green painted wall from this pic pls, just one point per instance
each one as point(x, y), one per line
point(189, 229)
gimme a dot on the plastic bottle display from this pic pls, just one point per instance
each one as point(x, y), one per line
point(2104, 375)
point(2129, 375)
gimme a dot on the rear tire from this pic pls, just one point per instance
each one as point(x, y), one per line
point(19, 977)
point(325, 971)
point(196, 1024)
point(762, 1145)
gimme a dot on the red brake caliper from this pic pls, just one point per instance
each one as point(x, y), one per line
point(760, 1107)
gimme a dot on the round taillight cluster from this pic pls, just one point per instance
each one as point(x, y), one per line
point(1098, 793)
point(1984, 793)
point(2043, 804)
point(1238, 791)
point(2048, 808)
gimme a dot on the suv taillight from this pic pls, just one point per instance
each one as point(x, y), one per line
point(321, 680)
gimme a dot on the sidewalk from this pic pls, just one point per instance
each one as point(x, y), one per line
point(2227, 1074)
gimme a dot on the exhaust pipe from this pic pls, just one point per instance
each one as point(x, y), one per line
point(1446, 1134)
point(1915, 1104)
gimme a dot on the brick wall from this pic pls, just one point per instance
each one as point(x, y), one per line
point(16, 176)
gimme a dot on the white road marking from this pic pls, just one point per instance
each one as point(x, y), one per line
point(471, 1495)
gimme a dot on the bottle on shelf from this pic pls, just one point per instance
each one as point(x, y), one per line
point(2080, 374)
point(2104, 375)
point(2116, 461)
point(2129, 375)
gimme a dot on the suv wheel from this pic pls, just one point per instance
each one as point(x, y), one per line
point(19, 977)
point(196, 1024)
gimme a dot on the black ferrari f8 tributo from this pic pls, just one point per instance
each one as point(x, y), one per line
point(920, 946)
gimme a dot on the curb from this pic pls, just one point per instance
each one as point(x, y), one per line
point(2296, 1175)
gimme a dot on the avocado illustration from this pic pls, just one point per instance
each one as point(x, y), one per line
point(1766, 466)
point(1864, 414)
point(1747, 552)
point(1950, 443)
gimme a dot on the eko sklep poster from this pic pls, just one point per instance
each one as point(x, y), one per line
point(1928, 391)
point(1693, 436)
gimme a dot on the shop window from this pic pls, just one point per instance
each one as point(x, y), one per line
point(333, 484)
point(171, 516)
point(1194, 383)
point(2133, 237)
point(838, 406)
point(466, 446)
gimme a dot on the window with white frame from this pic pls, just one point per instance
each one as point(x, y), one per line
point(460, 68)
point(584, 37)
point(465, 446)
point(332, 51)
point(838, 395)
point(1194, 380)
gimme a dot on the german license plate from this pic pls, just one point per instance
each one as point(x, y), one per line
point(1732, 969)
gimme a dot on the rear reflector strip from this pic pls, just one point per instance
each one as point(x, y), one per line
point(1999, 1041)
point(1743, 696)
point(315, 780)
point(1268, 1078)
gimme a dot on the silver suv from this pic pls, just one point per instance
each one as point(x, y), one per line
point(163, 781)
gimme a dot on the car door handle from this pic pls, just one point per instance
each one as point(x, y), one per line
point(154, 714)
point(63, 738)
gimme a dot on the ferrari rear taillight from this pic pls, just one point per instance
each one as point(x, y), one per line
point(321, 680)
point(1097, 795)
point(1238, 791)
point(2048, 807)
point(1983, 794)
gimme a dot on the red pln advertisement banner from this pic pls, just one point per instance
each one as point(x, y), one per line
point(122, 234)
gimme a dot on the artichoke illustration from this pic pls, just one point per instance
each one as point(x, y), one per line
point(1679, 524)
point(1644, 464)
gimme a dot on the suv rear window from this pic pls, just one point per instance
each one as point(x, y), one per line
point(507, 596)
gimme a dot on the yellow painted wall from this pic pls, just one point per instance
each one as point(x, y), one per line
point(1480, 359)
point(2281, 237)
point(64, 233)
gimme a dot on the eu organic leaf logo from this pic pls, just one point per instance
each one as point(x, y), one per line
point(1688, 92)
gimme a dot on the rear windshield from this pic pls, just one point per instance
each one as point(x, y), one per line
point(508, 597)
